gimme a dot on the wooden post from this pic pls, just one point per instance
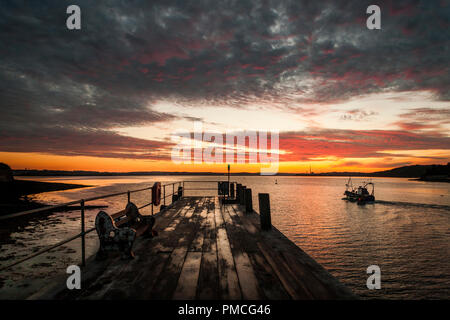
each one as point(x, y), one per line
point(238, 192)
point(228, 191)
point(180, 192)
point(129, 196)
point(164, 194)
point(83, 236)
point(248, 201)
point(232, 190)
point(242, 196)
point(174, 198)
point(264, 211)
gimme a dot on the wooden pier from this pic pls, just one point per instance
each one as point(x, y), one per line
point(208, 250)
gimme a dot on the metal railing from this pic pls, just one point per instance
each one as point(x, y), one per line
point(82, 203)
point(83, 231)
point(203, 182)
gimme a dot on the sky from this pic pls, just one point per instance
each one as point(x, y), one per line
point(111, 96)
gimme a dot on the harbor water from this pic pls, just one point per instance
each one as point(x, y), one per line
point(406, 232)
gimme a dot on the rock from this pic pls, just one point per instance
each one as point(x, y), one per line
point(6, 174)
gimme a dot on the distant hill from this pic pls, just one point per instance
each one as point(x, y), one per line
point(424, 172)
point(415, 171)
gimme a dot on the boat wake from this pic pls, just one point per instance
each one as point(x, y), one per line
point(412, 204)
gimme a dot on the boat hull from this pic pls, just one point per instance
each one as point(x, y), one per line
point(355, 197)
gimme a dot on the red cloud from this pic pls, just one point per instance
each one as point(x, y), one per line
point(355, 143)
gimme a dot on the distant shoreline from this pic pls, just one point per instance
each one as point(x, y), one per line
point(212, 174)
point(425, 172)
point(26, 187)
point(13, 195)
point(131, 174)
point(432, 179)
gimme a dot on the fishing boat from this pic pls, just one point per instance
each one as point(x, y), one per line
point(360, 195)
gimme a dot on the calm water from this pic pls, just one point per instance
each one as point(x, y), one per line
point(406, 232)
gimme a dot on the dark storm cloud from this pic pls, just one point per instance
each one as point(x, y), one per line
point(130, 54)
point(87, 142)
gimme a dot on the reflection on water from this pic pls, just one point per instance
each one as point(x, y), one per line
point(406, 232)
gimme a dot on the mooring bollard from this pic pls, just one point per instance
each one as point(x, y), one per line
point(248, 201)
point(264, 211)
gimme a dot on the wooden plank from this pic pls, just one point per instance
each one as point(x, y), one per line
point(120, 286)
point(308, 279)
point(145, 280)
point(244, 218)
point(204, 212)
point(228, 279)
point(240, 241)
point(201, 222)
point(295, 290)
point(217, 214)
point(240, 238)
point(167, 280)
point(182, 235)
point(148, 275)
point(168, 237)
point(208, 282)
point(171, 227)
point(210, 229)
point(164, 219)
point(99, 286)
point(175, 220)
point(190, 212)
point(197, 244)
point(268, 281)
point(187, 283)
point(246, 275)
